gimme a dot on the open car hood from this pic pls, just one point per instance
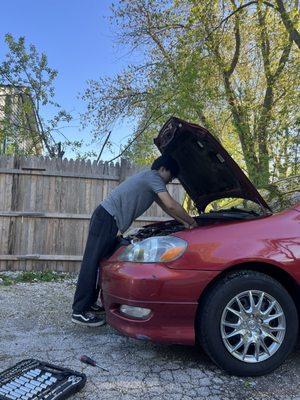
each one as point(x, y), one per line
point(207, 172)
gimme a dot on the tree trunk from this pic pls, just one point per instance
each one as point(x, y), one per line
point(244, 133)
point(288, 23)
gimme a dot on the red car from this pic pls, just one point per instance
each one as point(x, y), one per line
point(230, 285)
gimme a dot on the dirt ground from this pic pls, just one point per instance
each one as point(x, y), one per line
point(35, 323)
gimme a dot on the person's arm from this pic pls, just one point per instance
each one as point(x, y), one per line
point(164, 208)
point(174, 209)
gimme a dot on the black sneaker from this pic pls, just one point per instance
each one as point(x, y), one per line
point(97, 309)
point(87, 319)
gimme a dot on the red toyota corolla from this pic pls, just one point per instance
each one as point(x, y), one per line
point(231, 284)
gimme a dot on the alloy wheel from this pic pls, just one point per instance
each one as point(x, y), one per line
point(253, 326)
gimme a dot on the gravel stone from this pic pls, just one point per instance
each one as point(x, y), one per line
point(35, 322)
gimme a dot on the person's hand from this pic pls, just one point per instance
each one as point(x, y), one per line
point(194, 224)
point(188, 226)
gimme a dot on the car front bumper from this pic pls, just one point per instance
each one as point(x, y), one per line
point(171, 295)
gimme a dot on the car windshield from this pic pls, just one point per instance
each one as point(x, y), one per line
point(235, 205)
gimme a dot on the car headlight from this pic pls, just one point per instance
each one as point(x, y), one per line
point(154, 249)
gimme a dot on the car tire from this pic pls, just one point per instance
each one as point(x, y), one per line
point(238, 310)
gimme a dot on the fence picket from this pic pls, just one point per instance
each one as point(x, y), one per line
point(45, 204)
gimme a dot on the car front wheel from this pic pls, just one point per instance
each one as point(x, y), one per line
point(247, 323)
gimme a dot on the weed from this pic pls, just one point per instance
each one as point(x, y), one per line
point(31, 276)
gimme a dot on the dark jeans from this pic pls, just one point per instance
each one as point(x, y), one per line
point(101, 238)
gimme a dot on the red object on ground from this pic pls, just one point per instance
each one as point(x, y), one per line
point(88, 360)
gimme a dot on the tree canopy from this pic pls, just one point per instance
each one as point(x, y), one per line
point(231, 66)
point(28, 86)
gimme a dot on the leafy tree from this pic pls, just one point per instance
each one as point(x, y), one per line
point(25, 73)
point(290, 19)
point(241, 81)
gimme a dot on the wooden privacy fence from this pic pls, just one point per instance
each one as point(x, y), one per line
point(46, 204)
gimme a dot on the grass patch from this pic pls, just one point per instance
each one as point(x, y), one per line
point(31, 276)
point(6, 280)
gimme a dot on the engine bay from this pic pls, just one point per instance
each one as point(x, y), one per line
point(172, 226)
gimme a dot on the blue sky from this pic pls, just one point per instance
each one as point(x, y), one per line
point(79, 41)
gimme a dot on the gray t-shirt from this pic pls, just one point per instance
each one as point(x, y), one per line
point(133, 197)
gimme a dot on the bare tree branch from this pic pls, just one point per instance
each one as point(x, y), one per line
point(104, 144)
point(237, 35)
point(146, 125)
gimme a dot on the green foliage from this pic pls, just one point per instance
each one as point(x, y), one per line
point(142, 151)
point(26, 67)
point(31, 276)
point(241, 81)
point(29, 84)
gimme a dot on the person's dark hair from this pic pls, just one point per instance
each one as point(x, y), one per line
point(168, 162)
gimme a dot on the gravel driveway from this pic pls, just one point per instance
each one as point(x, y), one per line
point(35, 323)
